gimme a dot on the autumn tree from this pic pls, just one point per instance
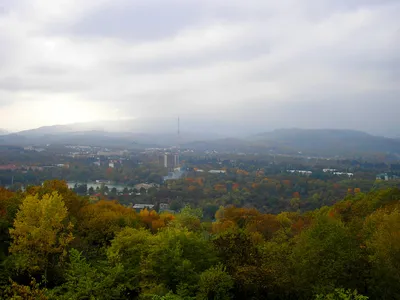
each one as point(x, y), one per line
point(73, 202)
point(41, 233)
point(101, 221)
point(33, 291)
point(149, 217)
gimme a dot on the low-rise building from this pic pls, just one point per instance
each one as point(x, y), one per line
point(139, 207)
point(343, 173)
point(387, 176)
point(302, 172)
point(217, 171)
point(10, 167)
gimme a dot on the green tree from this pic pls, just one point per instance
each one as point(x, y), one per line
point(341, 294)
point(175, 259)
point(384, 253)
point(113, 192)
point(91, 190)
point(215, 284)
point(239, 252)
point(83, 281)
point(128, 249)
point(325, 256)
point(189, 218)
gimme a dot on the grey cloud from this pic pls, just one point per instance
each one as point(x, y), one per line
point(49, 69)
point(237, 53)
point(20, 84)
point(6, 6)
point(136, 20)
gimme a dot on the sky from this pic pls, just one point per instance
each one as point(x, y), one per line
point(255, 64)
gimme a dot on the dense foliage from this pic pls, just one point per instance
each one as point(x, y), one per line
point(56, 244)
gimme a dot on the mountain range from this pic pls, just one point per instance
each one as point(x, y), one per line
point(153, 133)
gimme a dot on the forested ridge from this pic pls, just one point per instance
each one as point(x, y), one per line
point(56, 244)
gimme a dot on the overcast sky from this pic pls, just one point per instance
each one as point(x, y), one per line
point(267, 63)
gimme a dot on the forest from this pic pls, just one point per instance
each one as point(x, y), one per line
point(56, 244)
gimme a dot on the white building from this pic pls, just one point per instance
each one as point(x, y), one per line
point(142, 206)
point(343, 173)
point(217, 171)
point(303, 172)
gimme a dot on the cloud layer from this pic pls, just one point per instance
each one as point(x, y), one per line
point(260, 64)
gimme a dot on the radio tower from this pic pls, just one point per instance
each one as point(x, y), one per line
point(179, 140)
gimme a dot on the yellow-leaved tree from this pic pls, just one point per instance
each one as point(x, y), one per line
point(41, 232)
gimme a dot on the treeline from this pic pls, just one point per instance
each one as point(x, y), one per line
point(55, 244)
point(272, 194)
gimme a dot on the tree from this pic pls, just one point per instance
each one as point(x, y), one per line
point(239, 252)
point(25, 292)
point(175, 205)
point(73, 202)
point(91, 190)
point(175, 259)
point(295, 203)
point(9, 203)
point(84, 281)
point(189, 218)
point(325, 256)
point(41, 232)
point(129, 248)
point(101, 221)
point(341, 294)
point(81, 189)
point(215, 283)
point(383, 246)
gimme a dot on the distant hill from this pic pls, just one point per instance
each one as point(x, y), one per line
point(125, 133)
point(308, 141)
point(3, 132)
point(168, 126)
point(328, 142)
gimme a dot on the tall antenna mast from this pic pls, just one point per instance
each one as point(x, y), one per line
point(179, 129)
